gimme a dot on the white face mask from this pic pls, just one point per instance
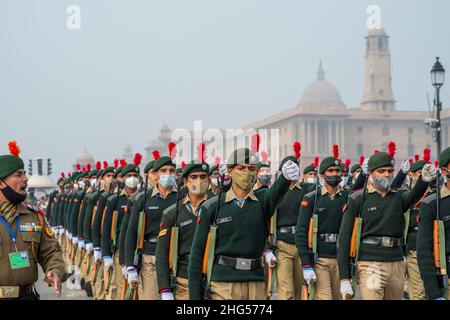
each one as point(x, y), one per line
point(215, 182)
point(132, 182)
point(344, 181)
point(311, 180)
point(81, 185)
point(94, 183)
point(76, 186)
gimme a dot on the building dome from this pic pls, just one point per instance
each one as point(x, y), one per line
point(84, 158)
point(321, 93)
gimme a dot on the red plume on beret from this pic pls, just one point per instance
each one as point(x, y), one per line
point(361, 160)
point(137, 159)
point(98, 166)
point(316, 161)
point(256, 141)
point(70, 174)
point(217, 159)
point(336, 151)
point(436, 163)
point(172, 149)
point(123, 163)
point(78, 167)
point(105, 164)
point(297, 149)
point(183, 165)
point(156, 155)
point(410, 161)
point(14, 149)
point(63, 175)
point(264, 156)
point(375, 151)
point(416, 157)
point(84, 169)
point(347, 163)
point(201, 149)
point(116, 163)
point(426, 155)
point(391, 149)
point(89, 167)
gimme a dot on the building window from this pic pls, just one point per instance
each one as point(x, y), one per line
point(385, 131)
point(381, 92)
point(360, 148)
point(359, 129)
point(427, 130)
point(285, 129)
point(380, 44)
point(410, 131)
point(410, 150)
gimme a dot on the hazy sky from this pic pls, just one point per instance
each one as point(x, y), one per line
point(137, 63)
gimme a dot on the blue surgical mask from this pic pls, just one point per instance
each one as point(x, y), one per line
point(167, 180)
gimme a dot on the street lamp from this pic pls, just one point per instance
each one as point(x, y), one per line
point(437, 80)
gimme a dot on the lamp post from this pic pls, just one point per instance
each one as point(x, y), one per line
point(437, 80)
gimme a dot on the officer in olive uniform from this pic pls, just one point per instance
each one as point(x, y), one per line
point(380, 263)
point(241, 217)
point(26, 239)
point(435, 279)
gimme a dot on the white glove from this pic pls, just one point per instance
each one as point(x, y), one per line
point(81, 244)
point(55, 230)
point(346, 289)
point(133, 277)
point(108, 262)
point(124, 271)
point(67, 233)
point(291, 171)
point(167, 296)
point(309, 275)
point(428, 172)
point(270, 258)
point(97, 254)
point(365, 166)
point(89, 247)
point(75, 240)
point(223, 172)
point(405, 166)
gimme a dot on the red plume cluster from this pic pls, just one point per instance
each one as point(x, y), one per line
point(172, 149)
point(70, 174)
point(98, 166)
point(256, 141)
point(183, 165)
point(89, 167)
point(410, 161)
point(137, 159)
point(78, 167)
point(336, 151)
point(116, 163)
point(391, 149)
point(264, 156)
point(156, 155)
point(201, 149)
point(14, 149)
point(105, 164)
point(297, 149)
point(347, 163)
point(436, 163)
point(217, 159)
point(123, 163)
point(375, 151)
point(361, 160)
point(63, 175)
point(426, 155)
point(84, 169)
point(316, 161)
point(416, 158)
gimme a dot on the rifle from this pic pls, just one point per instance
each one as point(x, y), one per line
point(141, 230)
point(174, 235)
point(113, 238)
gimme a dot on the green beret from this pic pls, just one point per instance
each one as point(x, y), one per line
point(327, 163)
point(107, 170)
point(10, 164)
point(292, 158)
point(92, 173)
point(262, 165)
point(355, 167)
point(117, 172)
point(163, 161)
point(212, 169)
point(149, 166)
point(309, 168)
point(380, 160)
point(194, 166)
point(129, 168)
point(84, 174)
point(241, 156)
point(178, 170)
point(416, 166)
point(76, 176)
point(444, 158)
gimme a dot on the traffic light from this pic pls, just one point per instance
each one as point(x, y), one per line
point(49, 167)
point(30, 167)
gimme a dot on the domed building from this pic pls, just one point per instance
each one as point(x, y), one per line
point(83, 159)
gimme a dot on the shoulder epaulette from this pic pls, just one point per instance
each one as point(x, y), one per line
point(430, 198)
point(311, 194)
point(356, 194)
point(35, 209)
point(172, 207)
point(208, 203)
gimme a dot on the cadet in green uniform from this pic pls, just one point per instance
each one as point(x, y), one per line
point(263, 176)
point(26, 239)
point(184, 217)
point(434, 269)
point(310, 173)
point(162, 196)
point(317, 249)
point(242, 221)
point(380, 261)
point(214, 178)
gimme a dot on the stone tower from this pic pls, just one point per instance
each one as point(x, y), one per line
point(378, 95)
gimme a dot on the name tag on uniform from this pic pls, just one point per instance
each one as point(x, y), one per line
point(224, 220)
point(183, 224)
point(123, 206)
point(372, 209)
point(153, 208)
point(19, 260)
point(321, 209)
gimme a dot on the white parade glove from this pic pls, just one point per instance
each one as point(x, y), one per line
point(81, 244)
point(55, 230)
point(108, 262)
point(440, 298)
point(346, 289)
point(133, 277)
point(428, 172)
point(89, 247)
point(405, 166)
point(365, 166)
point(124, 271)
point(291, 171)
point(97, 254)
point(75, 240)
point(167, 296)
point(309, 275)
point(270, 258)
point(67, 233)
point(223, 172)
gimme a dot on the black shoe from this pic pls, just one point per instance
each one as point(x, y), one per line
point(88, 288)
point(82, 283)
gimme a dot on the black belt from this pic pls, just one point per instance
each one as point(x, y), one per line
point(184, 258)
point(328, 237)
point(388, 242)
point(151, 239)
point(239, 263)
point(287, 229)
point(413, 229)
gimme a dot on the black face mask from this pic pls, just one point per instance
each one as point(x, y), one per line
point(12, 196)
point(121, 184)
point(333, 180)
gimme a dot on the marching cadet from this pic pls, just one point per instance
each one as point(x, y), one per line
point(234, 264)
point(148, 212)
point(112, 221)
point(317, 230)
point(26, 239)
point(415, 286)
point(180, 219)
point(375, 215)
point(355, 171)
point(310, 172)
point(433, 236)
point(214, 178)
point(345, 177)
point(56, 203)
point(263, 174)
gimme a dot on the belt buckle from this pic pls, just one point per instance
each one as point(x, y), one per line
point(332, 237)
point(293, 229)
point(243, 264)
point(387, 242)
point(9, 292)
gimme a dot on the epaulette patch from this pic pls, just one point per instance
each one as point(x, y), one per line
point(48, 231)
point(162, 233)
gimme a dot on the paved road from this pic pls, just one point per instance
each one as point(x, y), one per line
point(70, 290)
